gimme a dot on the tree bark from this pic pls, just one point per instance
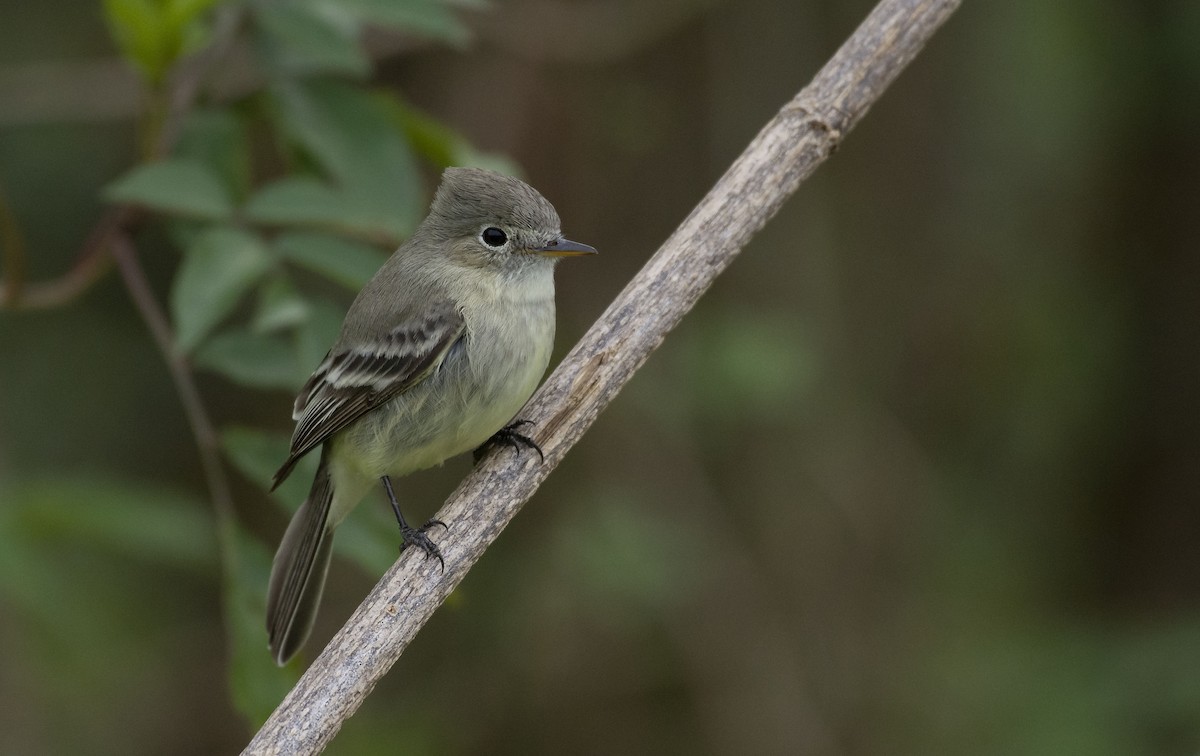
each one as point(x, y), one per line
point(788, 149)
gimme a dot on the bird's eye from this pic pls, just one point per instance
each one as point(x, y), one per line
point(493, 237)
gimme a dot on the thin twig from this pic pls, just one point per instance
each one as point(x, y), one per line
point(788, 149)
point(203, 431)
point(92, 261)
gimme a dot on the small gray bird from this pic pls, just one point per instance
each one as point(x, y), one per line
point(438, 352)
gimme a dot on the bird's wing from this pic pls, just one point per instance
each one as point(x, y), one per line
point(356, 379)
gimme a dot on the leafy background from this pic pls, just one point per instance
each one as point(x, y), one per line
point(918, 474)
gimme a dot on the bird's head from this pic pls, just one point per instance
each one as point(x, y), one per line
point(487, 219)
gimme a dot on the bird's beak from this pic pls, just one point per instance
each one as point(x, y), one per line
point(561, 247)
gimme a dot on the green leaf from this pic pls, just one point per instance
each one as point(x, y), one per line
point(430, 18)
point(280, 306)
point(142, 35)
point(352, 135)
point(333, 122)
point(345, 261)
point(216, 138)
point(251, 359)
point(297, 200)
point(180, 13)
point(179, 185)
point(306, 202)
point(153, 34)
point(300, 39)
point(217, 270)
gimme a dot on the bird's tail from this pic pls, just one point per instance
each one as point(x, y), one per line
point(298, 572)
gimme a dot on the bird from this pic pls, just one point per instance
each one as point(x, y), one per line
point(435, 357)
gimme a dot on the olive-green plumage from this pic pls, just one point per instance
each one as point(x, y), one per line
point(438, 351)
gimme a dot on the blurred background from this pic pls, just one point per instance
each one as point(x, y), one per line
point(918, 475)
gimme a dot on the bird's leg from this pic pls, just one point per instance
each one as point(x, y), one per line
point(511, 437)
point(414, 536)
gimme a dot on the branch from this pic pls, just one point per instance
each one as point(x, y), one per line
point(788, 149)
point(91, 263)
point(207, 441)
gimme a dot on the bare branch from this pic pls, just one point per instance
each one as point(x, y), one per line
point(205, 435)
point(788, 149)
point(91, 263)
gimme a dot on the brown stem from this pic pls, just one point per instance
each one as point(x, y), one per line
point(91, 263)
point(203, 431)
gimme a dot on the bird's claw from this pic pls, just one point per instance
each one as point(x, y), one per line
point(417, 537)
point(509, 436)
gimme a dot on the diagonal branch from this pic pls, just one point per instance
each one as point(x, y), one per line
point(788, 149)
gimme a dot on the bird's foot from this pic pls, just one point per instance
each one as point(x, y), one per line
point(509, 436)
point(417, 537)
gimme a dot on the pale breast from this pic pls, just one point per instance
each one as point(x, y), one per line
point(482, 383)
